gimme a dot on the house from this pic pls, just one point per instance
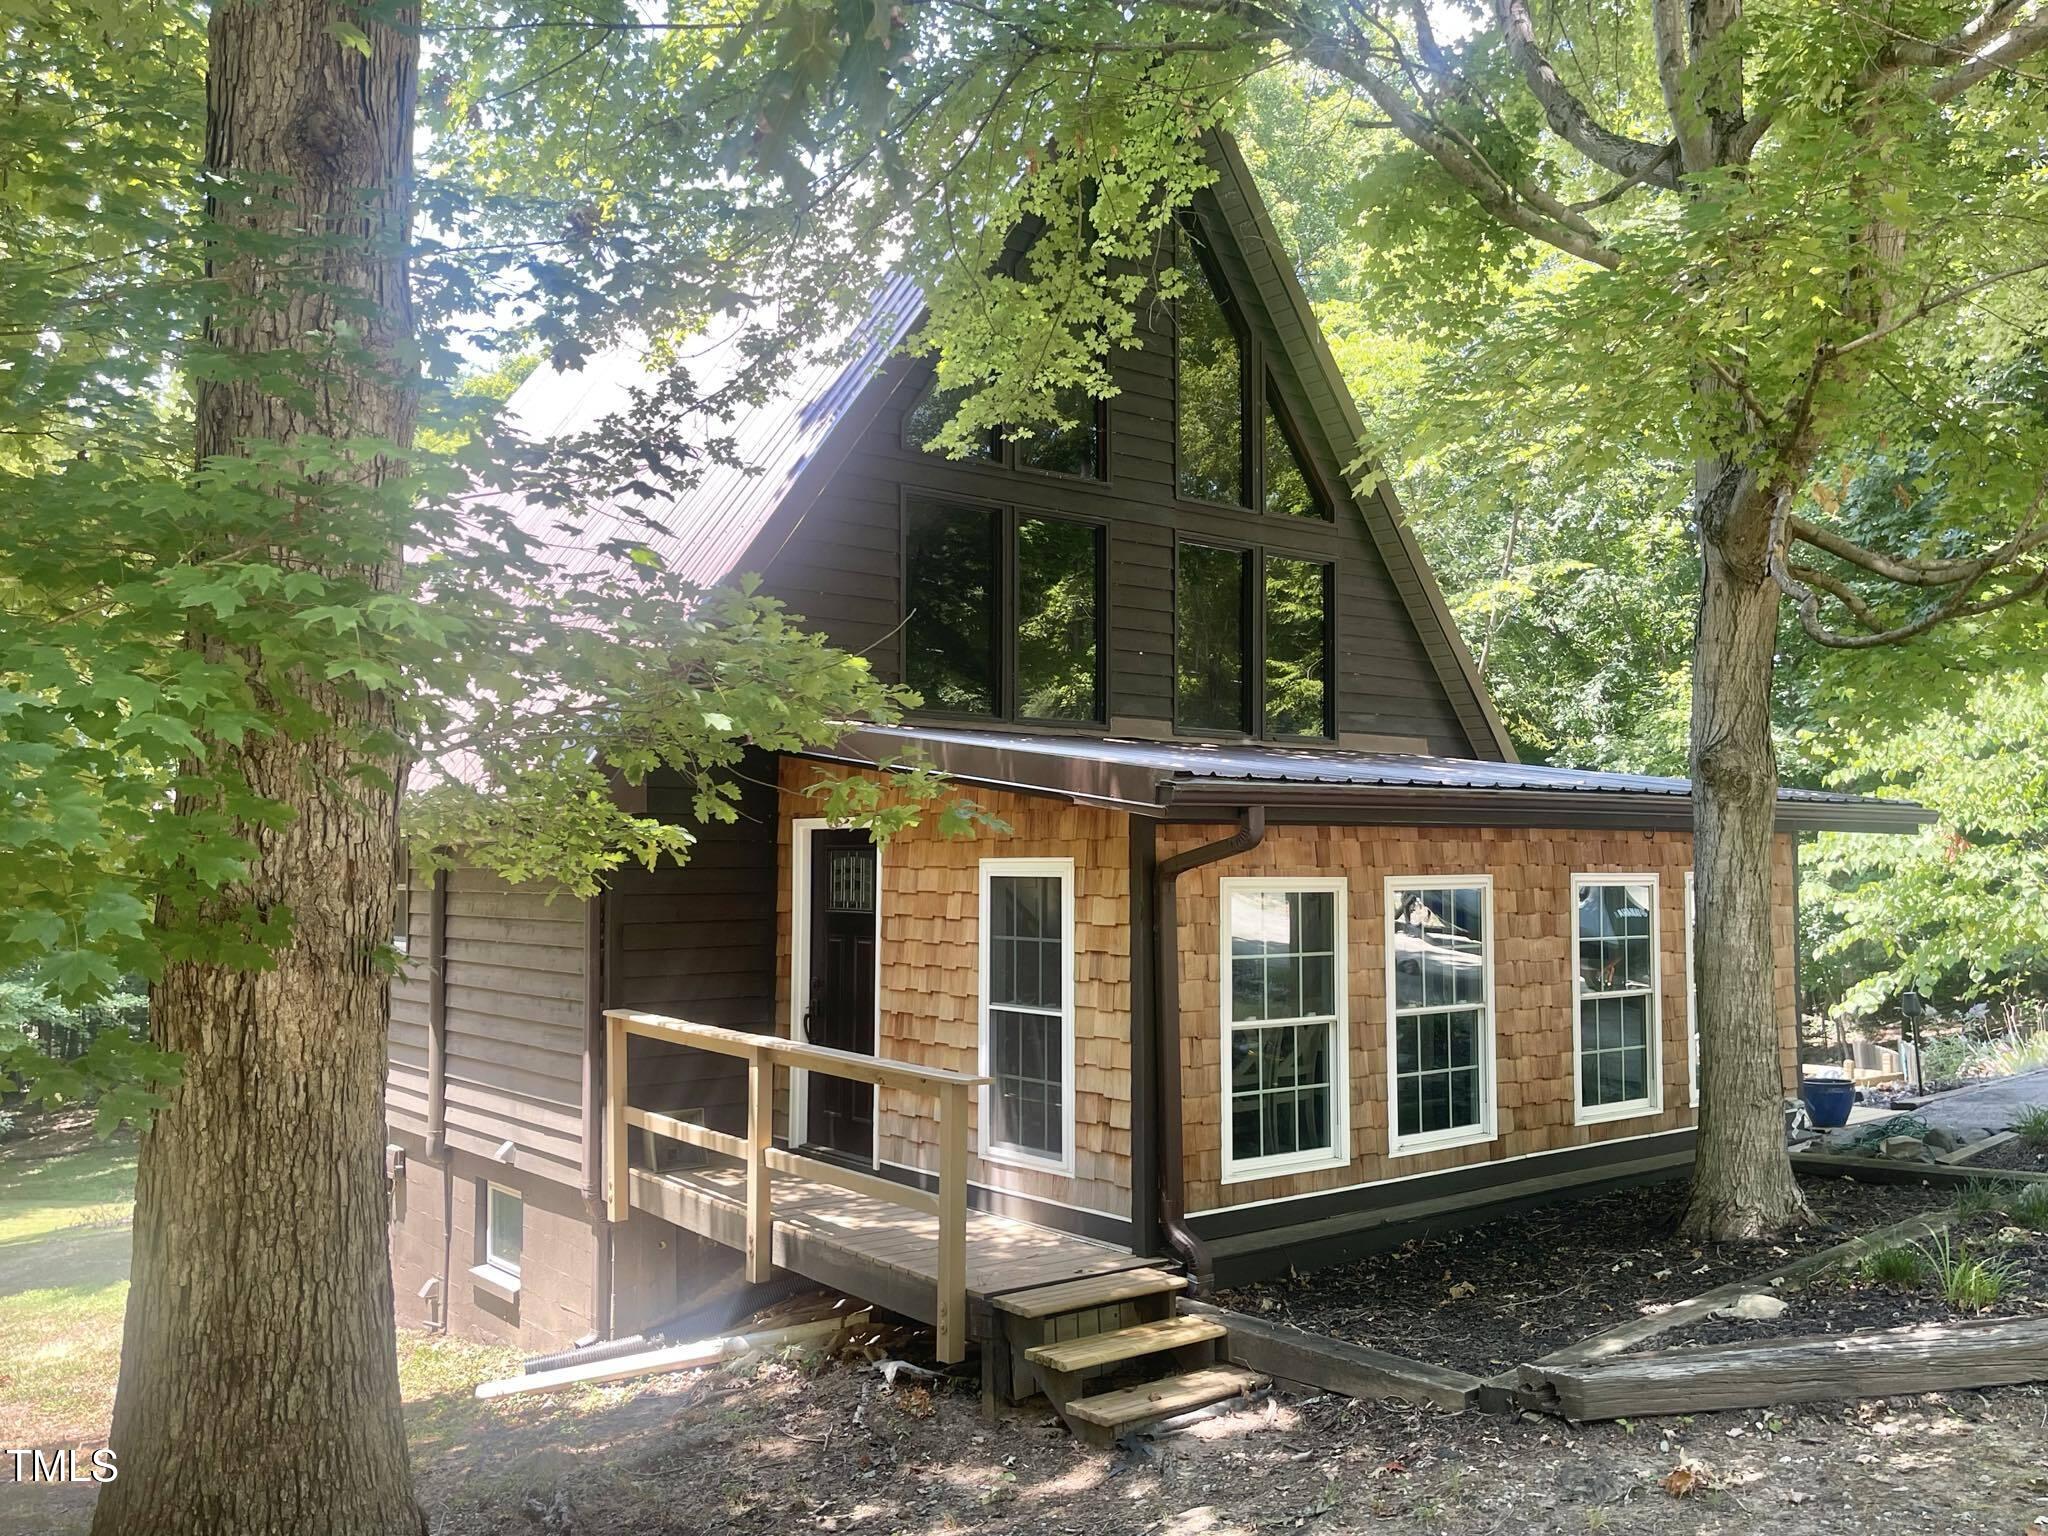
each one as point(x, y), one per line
point(1283, 949)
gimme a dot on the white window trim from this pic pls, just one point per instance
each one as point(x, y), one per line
point(1632, 1109)
point(1489, 1113)
point(800, 830)
point(491, 1259)
point(1338, 1155)
point(991, 1150)
point(1692, 988)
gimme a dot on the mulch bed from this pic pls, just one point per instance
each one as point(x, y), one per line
point(2014, 1155)
point(1844, 1302)
point(1490, 1296)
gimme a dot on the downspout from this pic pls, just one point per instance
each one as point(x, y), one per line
point(1251, 831)
point(594, 912)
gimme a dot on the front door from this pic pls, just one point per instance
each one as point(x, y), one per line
point(839, 1113)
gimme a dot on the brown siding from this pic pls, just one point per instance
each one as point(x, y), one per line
point(838, 561)
point(930, 938)
point(1532, 870)
point(513, 978)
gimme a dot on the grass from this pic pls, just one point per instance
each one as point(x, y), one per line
point(1967, 1284)
point(2032, 1127)
point(1981, 1197)
point(2030, 1208)
point(65, 1202)
point(1900, 1266)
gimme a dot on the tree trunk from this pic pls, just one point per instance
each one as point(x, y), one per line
point(259, 1380)
point(1743, 1185)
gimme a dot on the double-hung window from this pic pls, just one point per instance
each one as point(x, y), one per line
point(1284, 1029)
point(1003, 613)
point(1027, 1011)
point(1440, 1015)
point(1615, 1016)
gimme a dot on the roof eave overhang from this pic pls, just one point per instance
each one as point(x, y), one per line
point(1430, 805)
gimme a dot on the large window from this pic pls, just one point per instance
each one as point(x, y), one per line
point(1297, 613)
point(1284, 1032)
point(1003, 614)
point(1440, 1019)
point(1222, 684)
point(1615, 1014)
point(1289, 490)
point(950, 596)
point(1027, 1015)
point(1072, 445)
point(1209, 419)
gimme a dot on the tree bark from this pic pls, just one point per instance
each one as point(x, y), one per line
point(259, 1381)
point(1743, 1185)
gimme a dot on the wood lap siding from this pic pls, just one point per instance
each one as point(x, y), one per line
point(515, 991)
point(405, 1078)
point(930, 936)
point(696, 941)
point(837, 560)
point(1532, 871)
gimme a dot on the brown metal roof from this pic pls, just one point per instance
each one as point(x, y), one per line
point(1187, 780)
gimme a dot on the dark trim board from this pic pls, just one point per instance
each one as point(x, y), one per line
point(1258, 1241)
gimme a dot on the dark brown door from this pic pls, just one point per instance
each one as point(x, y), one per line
point(840, 1114)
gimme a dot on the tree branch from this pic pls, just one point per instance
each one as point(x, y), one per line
point(1568, 116)
point(1932, 302)
point(1505, 202)
point(1908, 570)
point(2003, 52)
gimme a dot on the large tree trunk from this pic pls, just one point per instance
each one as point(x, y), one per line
point(259, 1379)
point(1743, 1186)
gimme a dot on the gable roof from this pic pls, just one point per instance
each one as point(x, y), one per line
point(790, 442)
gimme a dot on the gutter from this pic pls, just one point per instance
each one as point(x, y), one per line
point(1251, 831)
point(1327, 802)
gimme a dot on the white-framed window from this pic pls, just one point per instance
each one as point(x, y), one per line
point(1692, 988)
point(1027, 1012)
point(504, 1223)
point(1286, 1034)
point(1440, 1047)
point(1616, 1051)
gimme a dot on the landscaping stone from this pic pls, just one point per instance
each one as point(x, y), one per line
point(1942, 1140)
point(1904, 1149)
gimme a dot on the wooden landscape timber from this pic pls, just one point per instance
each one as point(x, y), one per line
point(1925, 1357)
point(1335, 1365)
point(1626, 1336)
point(1879, 1170)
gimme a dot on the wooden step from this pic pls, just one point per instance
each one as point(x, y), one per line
point(1090, 1291)
point(1124, 1343)
point(1114, 1412)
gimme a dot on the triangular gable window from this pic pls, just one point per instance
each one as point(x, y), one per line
point(1289, 490)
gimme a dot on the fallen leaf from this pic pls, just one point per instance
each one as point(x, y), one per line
point(1463, 1289)
point(1684, 1482)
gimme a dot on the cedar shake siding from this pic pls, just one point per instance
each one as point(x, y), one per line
point(931, 988)
point(1532, 873)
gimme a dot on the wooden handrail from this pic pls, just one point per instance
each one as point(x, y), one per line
point(757, 1152)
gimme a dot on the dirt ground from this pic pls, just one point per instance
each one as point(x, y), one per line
point(1490, 1296)
point(838, 1450)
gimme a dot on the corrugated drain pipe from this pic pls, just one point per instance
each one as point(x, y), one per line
point(1251, 831)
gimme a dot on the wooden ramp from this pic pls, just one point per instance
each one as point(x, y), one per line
point(870, 1248)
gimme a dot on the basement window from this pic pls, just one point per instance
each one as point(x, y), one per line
point(1284, 1026)
point(504, 1226)
point(1440, 1025)
point(1616, 1052)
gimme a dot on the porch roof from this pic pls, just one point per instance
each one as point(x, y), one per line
point(1201, 781)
